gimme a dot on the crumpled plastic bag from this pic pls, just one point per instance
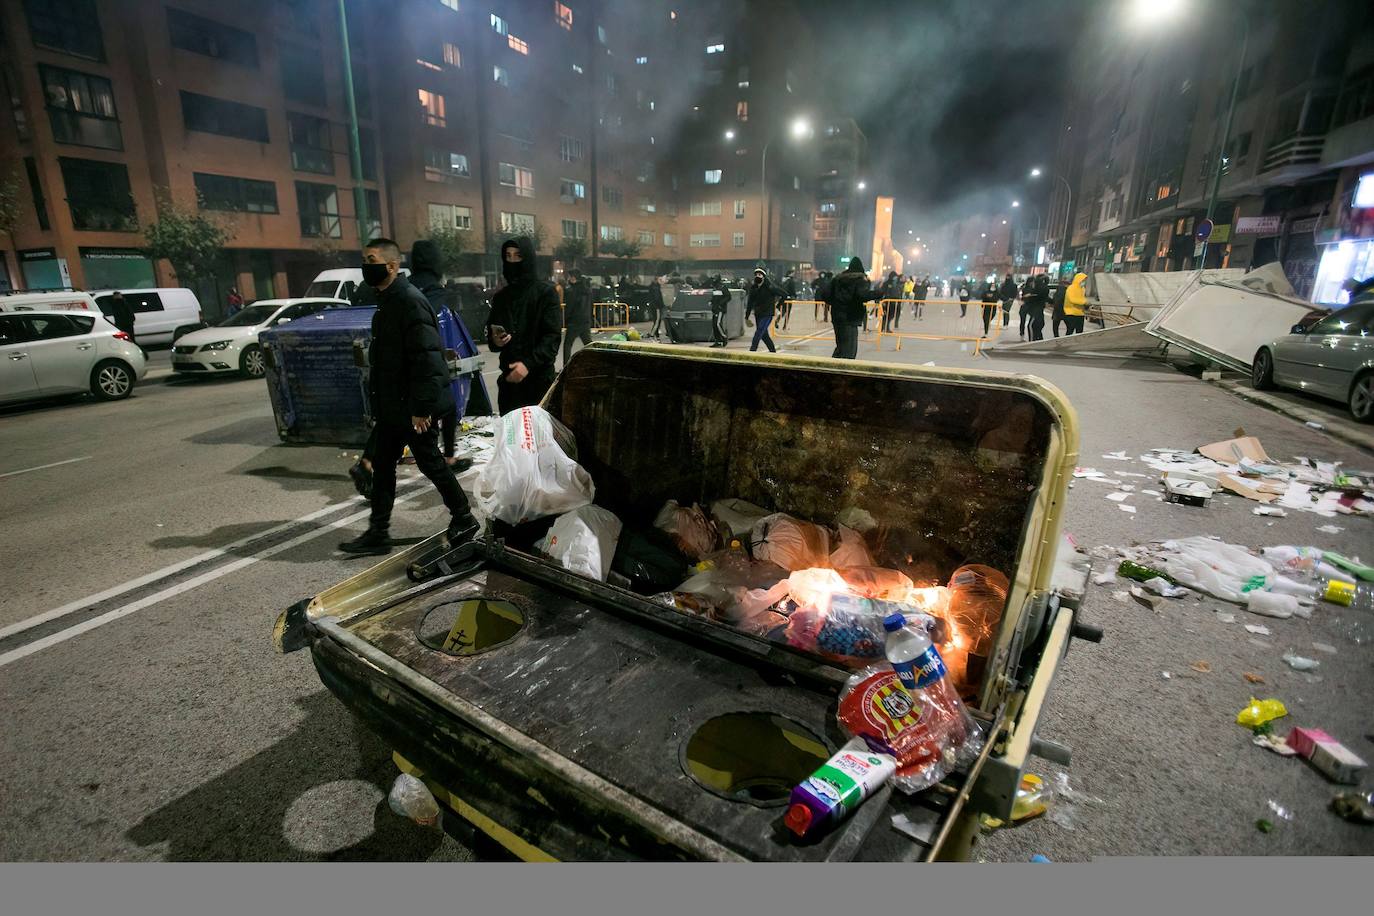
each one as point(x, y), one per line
point(871, 581)
point(583, 541)
point(789, 542)
point(533, 471)
point(689, 527)
point(1221, 570)
point(725, 585)
point(850, 550)
point(409, 797)
point(1260, 712)
point(736, 517)
point(860, 520)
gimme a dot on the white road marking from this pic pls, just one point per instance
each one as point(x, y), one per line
point(44, 467)
point(141, 581)
point(218, 572)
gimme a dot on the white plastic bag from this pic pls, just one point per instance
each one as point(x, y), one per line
point(530, 474)
point(692, 532)
point(736, 517)
point(790, 543)
point(1217, 568)
point(850, 549)
point(583, 541)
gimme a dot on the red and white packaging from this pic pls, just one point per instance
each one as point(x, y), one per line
point(1336, 761)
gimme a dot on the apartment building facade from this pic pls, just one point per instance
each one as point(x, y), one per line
point(1148, 126)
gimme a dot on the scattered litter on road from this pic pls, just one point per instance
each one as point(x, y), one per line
point(1094, 474)
point(1330, 529)
point(1299, 662)
point(1280, 810)
point(1117, 456)
point(1226, 618)
point(1324, 647)
point(1269, 510)
point(1253, 678)
point(1264, 825)
point(1154, 493)
point(1131, 474)
point(1118, 496)
point(1127, 488)
point(1160, 586)
point(1272, 742)
point(1260, 712)
point(1315, 425)
point(1334, 760)
point(1267, 604)
point(1125, 508)
point(1166, 675)
point(1065, 802)
point(1143, 597)
point(1040, 858)
point(1121, 596)
point(1104, 578)
point(1356, 807)
point(1258, 630)
point(1201, 667)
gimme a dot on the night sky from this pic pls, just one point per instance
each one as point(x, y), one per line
point(958, 98)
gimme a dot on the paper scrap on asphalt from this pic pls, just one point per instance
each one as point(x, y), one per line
point(1258, 629)
point(1226, 618)
point(1104, 578)
point(1330, 529)
point(1117, 456)
point(1231, 451)
point(1150, 493)
point(1125, 508)
point(1269, 510)
point(1130, 474)
point(1123, 597)
point(1118, 496)
point(1324, 647)
point(1300, 662)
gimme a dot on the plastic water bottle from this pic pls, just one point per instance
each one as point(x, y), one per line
point(1348, 594)
point(911, 653)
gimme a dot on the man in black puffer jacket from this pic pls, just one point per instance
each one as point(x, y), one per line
point(848, 296)
point(408, 383)
point(525, 328)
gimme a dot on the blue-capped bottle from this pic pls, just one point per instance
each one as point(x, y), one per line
point(911, 653)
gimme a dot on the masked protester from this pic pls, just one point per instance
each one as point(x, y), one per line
point(720, 300)
point(1036, 297)
point(524, 327)
point(577, 312)
point(761, 300)
point(1007, 293)
point(847, 296)
point(409, 389)
point(1075, 304)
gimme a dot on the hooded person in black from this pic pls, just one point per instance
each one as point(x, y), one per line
point(577, 312)
point(1007, 294)
point(524, 327)
point(1033, 303)
point(789, 287)
point(761, 300)
point(427, 275)
point(408, 383)
point(847, 296)
point(891, 289)
point(720, 300)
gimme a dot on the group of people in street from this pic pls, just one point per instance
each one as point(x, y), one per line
point(1067, 304)
point(896, 291)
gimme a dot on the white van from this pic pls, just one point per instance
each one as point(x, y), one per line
point(342, 283)
point(25, 301)
point(160, 315)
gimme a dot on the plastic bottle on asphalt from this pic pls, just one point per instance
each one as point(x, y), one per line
point(1336, 591)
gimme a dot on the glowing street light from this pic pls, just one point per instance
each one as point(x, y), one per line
point(915, 252)
point(801, 128)
point(1004, 222)
point(1035, 173)
point(983, 236)
point(862, 185)
point(1016, 203)
point(1150, 12)
point(729, 135)
point(964, 256)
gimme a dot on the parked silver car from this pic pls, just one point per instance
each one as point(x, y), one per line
point(1333, 357)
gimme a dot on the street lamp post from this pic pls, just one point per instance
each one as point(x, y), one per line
point(799, 129)
point(1226, 131)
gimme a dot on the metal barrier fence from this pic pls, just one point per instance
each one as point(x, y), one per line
point(604, 315)
point(936, 319)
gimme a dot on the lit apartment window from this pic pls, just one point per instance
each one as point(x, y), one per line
point(669, 240)
point(796, 182)
point(498, 25)
point(500, 75)
point(739, 209)
point(647, 205)
point(742, 110)
point(441, 165)
point(432, 107)
point(705, 208)
point(514, 176)
point(569, 149)
point(574, 228)
point(563, 15)
point(744, 77)
point(712, 176)
point(737, 239)
point(450, 216)
point(81, 108)
point(716, 48)
point(612, 197)
point(517, 223)
point(570, 191)
point(644, 237)
point(517, 45)
point(611, 233)
point(601, 34)
point(704, 240)
point(451, 4)
point(641, 60)
point(452, 56)
point(829, 208)
point(577, 68)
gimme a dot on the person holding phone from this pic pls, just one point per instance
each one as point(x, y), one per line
point(525, 328)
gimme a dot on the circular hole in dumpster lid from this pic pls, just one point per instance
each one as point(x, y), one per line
point(754, 757)
point(471, 626)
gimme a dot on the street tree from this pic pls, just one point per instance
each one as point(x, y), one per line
point(451, 243)
point(190, 241)
point(621, 248)
point(569, 250)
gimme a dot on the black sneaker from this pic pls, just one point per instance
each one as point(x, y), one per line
point(362, 479)
point(458, 465)
point(461, 530)
point(371, 541)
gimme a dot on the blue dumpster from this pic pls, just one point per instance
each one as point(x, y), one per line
point(317, 374)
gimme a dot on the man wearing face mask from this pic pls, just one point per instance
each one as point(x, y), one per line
point(524, 327)
point(409, 387)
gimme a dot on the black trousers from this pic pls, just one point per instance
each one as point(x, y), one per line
point(963, 307)
point(1006, 311)
point(1073, 324)
point(718, 328)
point(846, 341)
point(514, 395)
point(571, 336)
point(1037, 324)
point(1058, 320)
point(1024, 318)
point(887, 317)
point(448, 429)
point(988, 312)
point(391, 440)
point(785, 310)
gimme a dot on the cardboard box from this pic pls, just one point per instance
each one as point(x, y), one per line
point(1187, 492)
point(1336, 761)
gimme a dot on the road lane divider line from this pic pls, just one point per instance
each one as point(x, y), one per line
point(44, 467)
point(164, 572)
point(172, 591)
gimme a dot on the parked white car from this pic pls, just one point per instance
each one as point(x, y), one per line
point(232, 345)
point(160, 315)
point(47, 352)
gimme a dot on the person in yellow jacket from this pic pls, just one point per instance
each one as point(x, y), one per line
point(1075, 302)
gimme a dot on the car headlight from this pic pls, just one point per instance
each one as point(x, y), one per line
point(217, 345)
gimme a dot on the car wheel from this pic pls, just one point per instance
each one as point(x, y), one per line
point(1262, 370)
point(251, 363)
point(112, 380)
point(1361, 399)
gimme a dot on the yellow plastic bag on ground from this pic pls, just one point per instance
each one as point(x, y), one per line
point(1261, 711)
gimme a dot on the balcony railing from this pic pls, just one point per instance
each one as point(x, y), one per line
point(1299, 149)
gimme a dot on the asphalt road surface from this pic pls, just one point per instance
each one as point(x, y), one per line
point(153, 542)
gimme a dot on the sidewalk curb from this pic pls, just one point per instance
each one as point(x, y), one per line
point(1347, 430)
